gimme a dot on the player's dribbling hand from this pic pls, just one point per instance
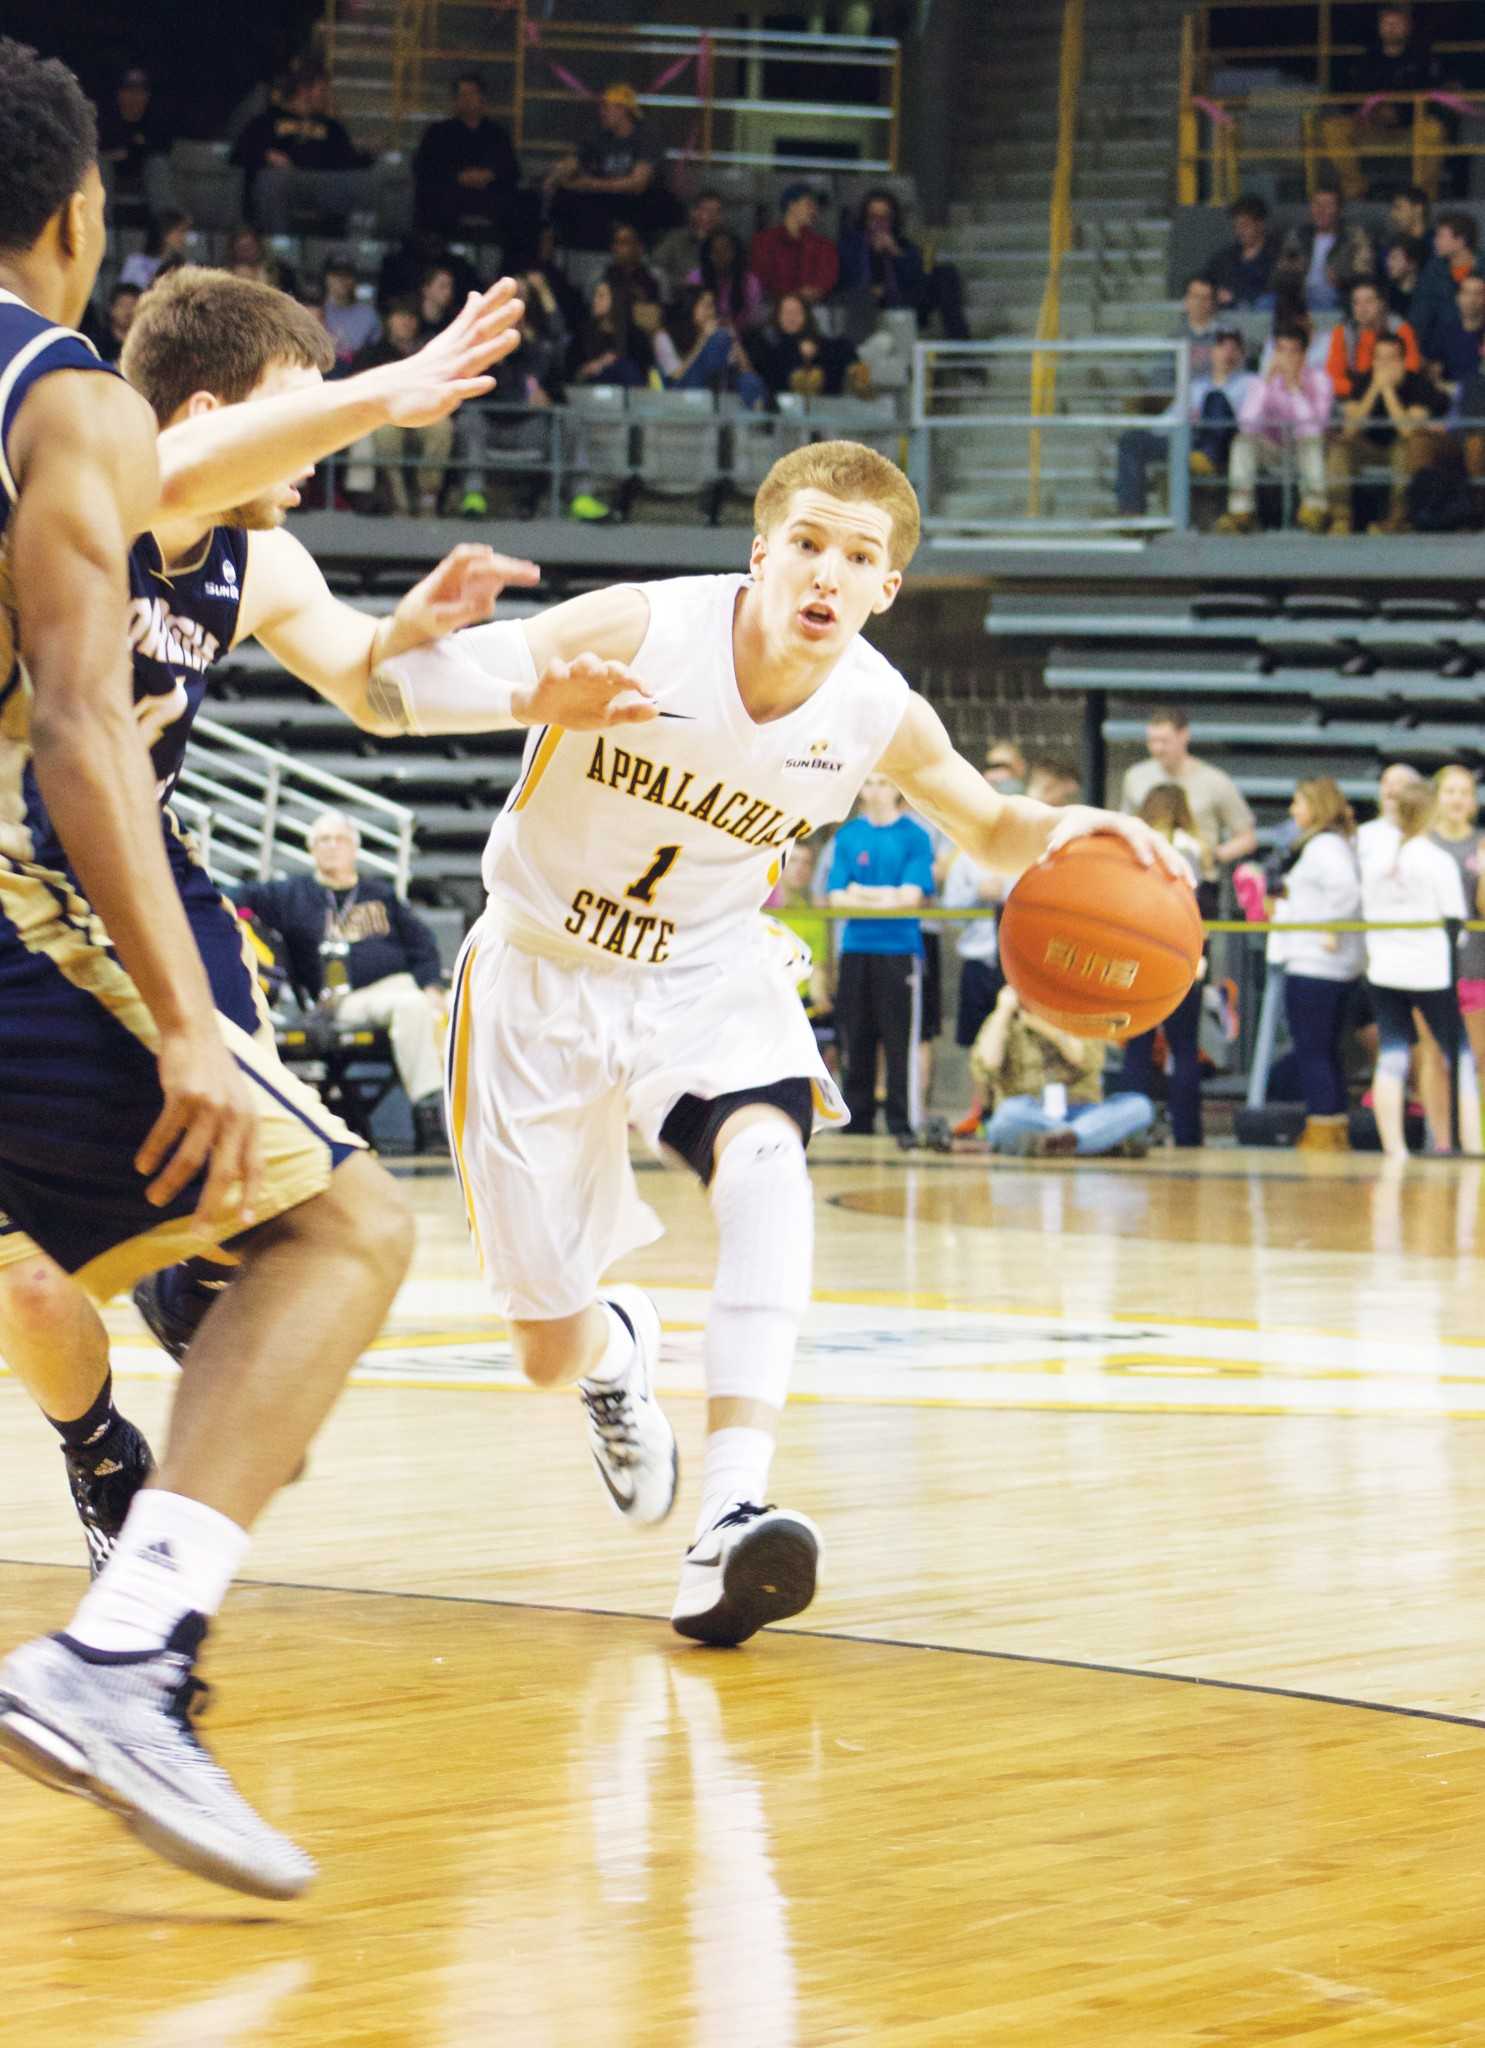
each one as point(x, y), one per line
point(208, 1121)
point(461, 591)
point(431, 384)
point(585, 695)
point(1078, 821)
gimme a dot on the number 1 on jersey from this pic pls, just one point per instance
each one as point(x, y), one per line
point(643, 891)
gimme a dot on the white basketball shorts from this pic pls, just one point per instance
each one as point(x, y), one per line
point(550, 1062)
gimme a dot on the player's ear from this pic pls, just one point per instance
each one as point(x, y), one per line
point(756, 555)
point(72, 224)
point(198, 403)
point(890, 587)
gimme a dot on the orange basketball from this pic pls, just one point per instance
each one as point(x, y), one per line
point(1098, 943)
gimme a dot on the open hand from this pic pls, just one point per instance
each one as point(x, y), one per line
point(451, 367)
point(461, 591)
point(1079, 821)
point(585, 695)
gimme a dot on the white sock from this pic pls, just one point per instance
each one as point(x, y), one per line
point(174, 1556)
point(735, 1468)
point(618, 1354)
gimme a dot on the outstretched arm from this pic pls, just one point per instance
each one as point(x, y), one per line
point(1006, 833)
point(230, 453)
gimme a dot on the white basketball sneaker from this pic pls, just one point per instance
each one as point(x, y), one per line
point(633, 1445)
point(753, 1566)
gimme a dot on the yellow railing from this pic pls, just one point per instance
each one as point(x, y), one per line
point(1059, 239)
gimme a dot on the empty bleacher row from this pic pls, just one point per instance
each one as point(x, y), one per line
point(1278, 685)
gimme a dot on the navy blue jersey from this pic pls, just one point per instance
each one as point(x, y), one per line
point(30, 348)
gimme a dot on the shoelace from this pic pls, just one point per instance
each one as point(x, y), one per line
point(188, 1701)
point(743, 1512)
point(613, 1418)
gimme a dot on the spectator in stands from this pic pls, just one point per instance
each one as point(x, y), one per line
point(1408, 214)
point(1223, 819)
point(550, 280)
point(706, 354)
point(793, 355)
point(437, 299)
point(351, 324)
point(123, 304)
point(359, 951)
point(793, 905)
point(299, 157)
point(880, 860)
point(1398, 61)
point(170, 235)
point(723, 269)
point(134, 143)
point(1243, 273)
point(612, 177)
point(1045, 1090)
point(1392, 415)
point(1402, 265)
point(1168, 810)
point(395, 448)
point(466, 176)
point(1215, 399)
point(1005, 767)
point(633, 281)
point(1054, 780)
point(1348, 363)
point(792, 256)
point(967, 887)
point(246, 257)
point(881, 264)
point(1458, 339)
point(677, 255)
point(402, 269)
point(1455, 242)
point(1406, 879)
point(1456, 829)
point(1319, 882)
point(1319, 259)
point(1282, 421)
point(604, 350)
point(534, 378)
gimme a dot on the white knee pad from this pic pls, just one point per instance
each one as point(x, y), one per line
point(764, 1206)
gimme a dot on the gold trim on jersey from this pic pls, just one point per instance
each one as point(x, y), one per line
point(541, 760)
point(459, 1087)
point(52, 919)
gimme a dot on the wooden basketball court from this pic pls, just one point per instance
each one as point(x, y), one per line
point(1139, 1705)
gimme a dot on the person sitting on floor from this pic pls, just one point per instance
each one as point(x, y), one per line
point(1046, 1089)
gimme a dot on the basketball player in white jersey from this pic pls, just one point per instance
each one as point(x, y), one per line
point(622, 974)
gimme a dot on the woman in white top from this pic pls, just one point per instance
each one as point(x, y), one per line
point(1321, 884)
point(1167, 809)
point(1456, 829)
point(1407, 878)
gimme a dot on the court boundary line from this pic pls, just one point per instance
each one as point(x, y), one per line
point(823, 1635)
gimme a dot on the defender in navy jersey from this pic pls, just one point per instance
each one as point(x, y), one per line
point(112, 1066)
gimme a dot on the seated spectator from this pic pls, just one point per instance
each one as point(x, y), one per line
point(1398, 60)
point(548, 276)
point(1455, 242)
point(134, 143)
point(1046, 1092)
point(1459, 338)
point(723, 269)
point(358, 950)
point(1167, 810)
point(246, 257)
point(1402, 265)
point(299, 157)
point(170, 235)
point(351, 323)
point(1282, 422)
point(395, 448)
point(792, 354)
point(1348, 362)
point(1406, 879)
point(630, 275)
point(438, 301)
point(1408, 214)
point(714, 359)
point(1319, 259)
point(1214, 403)
point(1319, 882)
point(1393, 414)
point(1243, 273)
point(1054, 780)
point(604, 349)
point(879, 261)
point(534, 378)
point(467, 179)
point(403, 268)
point(614, 176)
point(792, 255)
point(109, 335)
point(677, 255)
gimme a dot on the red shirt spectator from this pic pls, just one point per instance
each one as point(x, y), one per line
point(791, 256)
point(1351, 345)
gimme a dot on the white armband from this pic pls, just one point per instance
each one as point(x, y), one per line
point(462, 684)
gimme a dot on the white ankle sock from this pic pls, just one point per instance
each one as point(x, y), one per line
point(618, 1354)
point(735, 1468)
point(175, 1556)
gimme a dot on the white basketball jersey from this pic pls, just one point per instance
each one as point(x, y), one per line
point(659, 843)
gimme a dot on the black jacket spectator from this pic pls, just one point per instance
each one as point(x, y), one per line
point(467, 175)
point(386, 937)
point(307, 141)
point(133, 140)
point(1242, 274)
point(880, 262)
point(792, 355)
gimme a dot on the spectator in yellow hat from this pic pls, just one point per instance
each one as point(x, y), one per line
point(612, 178)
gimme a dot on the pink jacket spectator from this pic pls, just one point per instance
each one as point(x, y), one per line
point(1271, 409)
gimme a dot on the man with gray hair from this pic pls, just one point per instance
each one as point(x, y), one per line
point(355, 947)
